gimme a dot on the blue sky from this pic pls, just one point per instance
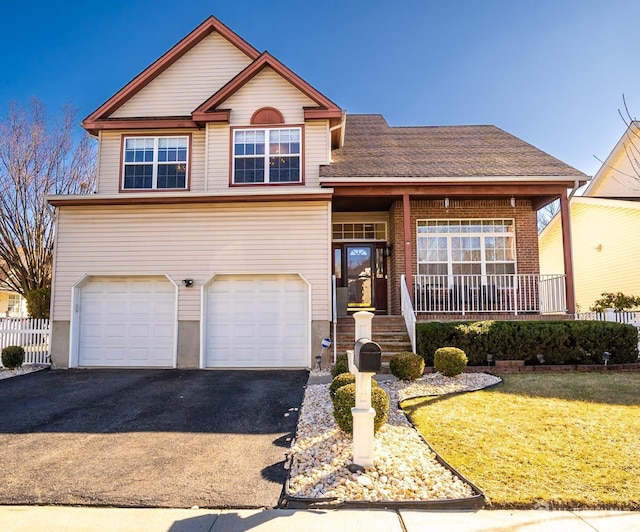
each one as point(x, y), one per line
point(551, 72)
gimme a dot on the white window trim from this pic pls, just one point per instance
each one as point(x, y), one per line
point(265, 156)
point(155, 163)
point(483, 262)
point(358, 222)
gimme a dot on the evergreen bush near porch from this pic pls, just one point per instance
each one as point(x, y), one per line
point(561, 341)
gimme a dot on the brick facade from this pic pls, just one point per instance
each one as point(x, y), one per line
point(525, 226)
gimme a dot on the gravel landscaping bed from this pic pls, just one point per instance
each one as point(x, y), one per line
point(405, 468)
point(23, 370)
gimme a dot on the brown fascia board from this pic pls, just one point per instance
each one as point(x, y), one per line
point(326, 106)
point(169, 199)
point(140, 123)
point(210, 25)
point(451, 189)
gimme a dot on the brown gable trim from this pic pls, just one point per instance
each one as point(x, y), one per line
point(141, 123)
point(246, 75)
point(210, 25)
point(159, 199)
point(319, 114)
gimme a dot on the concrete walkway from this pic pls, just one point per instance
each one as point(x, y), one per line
point(62, 519)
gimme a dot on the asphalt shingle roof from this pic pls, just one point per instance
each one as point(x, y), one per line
point(374, 149)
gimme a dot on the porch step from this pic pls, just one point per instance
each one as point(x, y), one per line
point(389, 332)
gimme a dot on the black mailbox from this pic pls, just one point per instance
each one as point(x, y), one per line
point(367, 356)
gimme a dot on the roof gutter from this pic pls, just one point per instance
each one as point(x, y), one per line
point(381, 180)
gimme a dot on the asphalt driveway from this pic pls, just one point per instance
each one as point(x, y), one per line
point(160, 438)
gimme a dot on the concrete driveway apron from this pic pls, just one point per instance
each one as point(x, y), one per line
point(157, 438)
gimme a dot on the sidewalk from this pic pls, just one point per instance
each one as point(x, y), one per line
point(73, 519)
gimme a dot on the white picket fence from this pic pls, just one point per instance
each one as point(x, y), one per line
point(629, 317)
point(32, 335)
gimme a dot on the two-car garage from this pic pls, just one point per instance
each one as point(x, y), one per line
point(250, 321)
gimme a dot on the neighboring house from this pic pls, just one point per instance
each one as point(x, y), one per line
point(230, 191)
point(12, 304)
point(605, 222)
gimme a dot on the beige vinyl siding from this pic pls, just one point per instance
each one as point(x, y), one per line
point(197, 242)
point(218, 156)
point(605, 252)
point(317, 150)
point(186, 84)
point(109, 159)
point(267, 89)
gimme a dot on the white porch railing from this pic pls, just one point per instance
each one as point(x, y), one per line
point(334, 316)
point(407, 312)
point(501, 294)
point(32, 335)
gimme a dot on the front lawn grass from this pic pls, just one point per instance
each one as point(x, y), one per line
point(569, 440)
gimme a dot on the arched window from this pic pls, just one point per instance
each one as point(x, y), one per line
point(267, 116)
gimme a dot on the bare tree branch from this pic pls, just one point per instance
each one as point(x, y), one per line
point(38, 157)
point(547, 213)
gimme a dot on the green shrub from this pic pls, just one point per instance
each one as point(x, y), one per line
point(560, 341)
point(341, 366)
point(339, 381)
point(618, 301)
point(449, 361)
point(12, 356)
point(38, 303)
point(345, 399)
point(406, 366)
point(342, 380)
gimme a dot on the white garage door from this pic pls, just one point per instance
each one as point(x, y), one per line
point(127, 322)
point(257, 322)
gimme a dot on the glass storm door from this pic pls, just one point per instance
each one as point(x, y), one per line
point(360, 272)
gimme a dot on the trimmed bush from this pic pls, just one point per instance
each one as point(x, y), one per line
point(38, 303)
point(342, 380)
point(339, 381)
point(449, 361)
point(341, 366)
point(560, 341)
point(345, 399)
point(407, 366)
point(12, 356)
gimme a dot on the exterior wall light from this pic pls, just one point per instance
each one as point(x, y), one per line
point(187, 282)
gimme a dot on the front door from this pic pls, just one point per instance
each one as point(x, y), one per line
point(361, 269)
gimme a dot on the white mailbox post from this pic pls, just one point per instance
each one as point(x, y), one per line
point(365, 357)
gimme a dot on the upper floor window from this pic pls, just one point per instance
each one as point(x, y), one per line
point(267, 155)
point(155, 163)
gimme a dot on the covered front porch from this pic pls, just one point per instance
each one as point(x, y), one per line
point(457, 257)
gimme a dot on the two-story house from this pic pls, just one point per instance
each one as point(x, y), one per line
point(231, 193)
